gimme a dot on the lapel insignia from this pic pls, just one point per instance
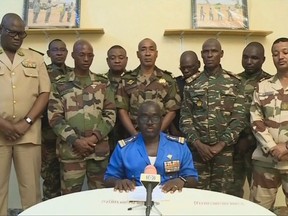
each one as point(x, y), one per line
point(20, 53)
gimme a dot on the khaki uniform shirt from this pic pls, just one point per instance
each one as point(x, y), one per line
point(21, 83)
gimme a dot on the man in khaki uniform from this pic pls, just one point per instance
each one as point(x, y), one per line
point(24, 94)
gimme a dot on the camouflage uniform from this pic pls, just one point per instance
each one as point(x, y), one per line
point(81, 108)
point(242, 162)
point(134, 89)
point(269, 114)
point(50, 167)
point(213, 111)
point(118, 132)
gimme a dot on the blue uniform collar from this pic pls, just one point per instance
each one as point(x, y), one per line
point(143, 152)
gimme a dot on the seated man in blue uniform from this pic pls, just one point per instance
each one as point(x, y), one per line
point(170, 156)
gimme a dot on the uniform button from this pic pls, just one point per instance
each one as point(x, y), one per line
point(14, 116)
point(12, 73)
point(13, 86)
point(14, 102)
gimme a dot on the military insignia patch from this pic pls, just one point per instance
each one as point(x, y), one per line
point(20, 53)
point(130, 82)
point(176, 139)
point(123, 143)
point(199, 103)
point(284, 106)
point(162, 81)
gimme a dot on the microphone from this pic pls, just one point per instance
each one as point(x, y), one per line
point(150, 180)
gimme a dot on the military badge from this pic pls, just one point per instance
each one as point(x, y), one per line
point(20, 53)
point(284, 106)
point(199, 103)
point(172, 166)
point(162, 81)
point(130, 82)
point(169, 156)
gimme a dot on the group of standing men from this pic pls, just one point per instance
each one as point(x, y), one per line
point(214, 115)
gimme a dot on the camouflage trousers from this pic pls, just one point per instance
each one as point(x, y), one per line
point(217, 173)
point(50, 169)
point(265, 184)
point(242, 169)
point(73, 174)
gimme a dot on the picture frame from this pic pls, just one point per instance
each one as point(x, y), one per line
point(51, 13)
point(224, 14)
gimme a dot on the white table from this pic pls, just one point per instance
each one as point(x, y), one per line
point(108, 202)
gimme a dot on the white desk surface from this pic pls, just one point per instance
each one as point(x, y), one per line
point(107, 202)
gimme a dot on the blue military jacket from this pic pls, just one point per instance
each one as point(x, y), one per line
point(130, 158)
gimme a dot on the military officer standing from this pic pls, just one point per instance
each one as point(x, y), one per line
point(50, 167)
point(147, 82)
point(81, 112)
point(212, 116)
point(269, 118)
point(25, 88)
point(252, 60)
point(117, 61)
point(189, 66)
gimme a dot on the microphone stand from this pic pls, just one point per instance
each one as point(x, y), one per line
point(153, 206)
point(149, 203)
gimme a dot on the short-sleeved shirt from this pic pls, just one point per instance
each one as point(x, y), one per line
point(130, 158)
point(22, 82)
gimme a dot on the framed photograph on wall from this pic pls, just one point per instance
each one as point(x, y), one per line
point(52, 13)
point(225, 14)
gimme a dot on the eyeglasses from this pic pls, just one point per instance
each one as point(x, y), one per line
point(21, 34)
point(153, 119)
point(189, 67)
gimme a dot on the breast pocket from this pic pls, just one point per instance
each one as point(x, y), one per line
point(198, 101)
point(228, 99)
point(31, 75)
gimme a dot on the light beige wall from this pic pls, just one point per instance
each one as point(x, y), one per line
point(126, 22)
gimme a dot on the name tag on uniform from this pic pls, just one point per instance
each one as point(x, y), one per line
point(172, 166)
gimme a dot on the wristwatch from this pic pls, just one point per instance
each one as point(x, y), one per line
point(183, 179)
point(28, 120)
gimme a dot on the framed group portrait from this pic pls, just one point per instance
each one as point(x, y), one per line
point(52, 13)
point(225, 14)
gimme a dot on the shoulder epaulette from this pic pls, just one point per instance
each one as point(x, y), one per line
point(128, 72)
point(180, 140)
point(193, 77)
point(232, 74)
point(167, 72)
point(103, 76)
point(60, 78)
point(124, 142)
